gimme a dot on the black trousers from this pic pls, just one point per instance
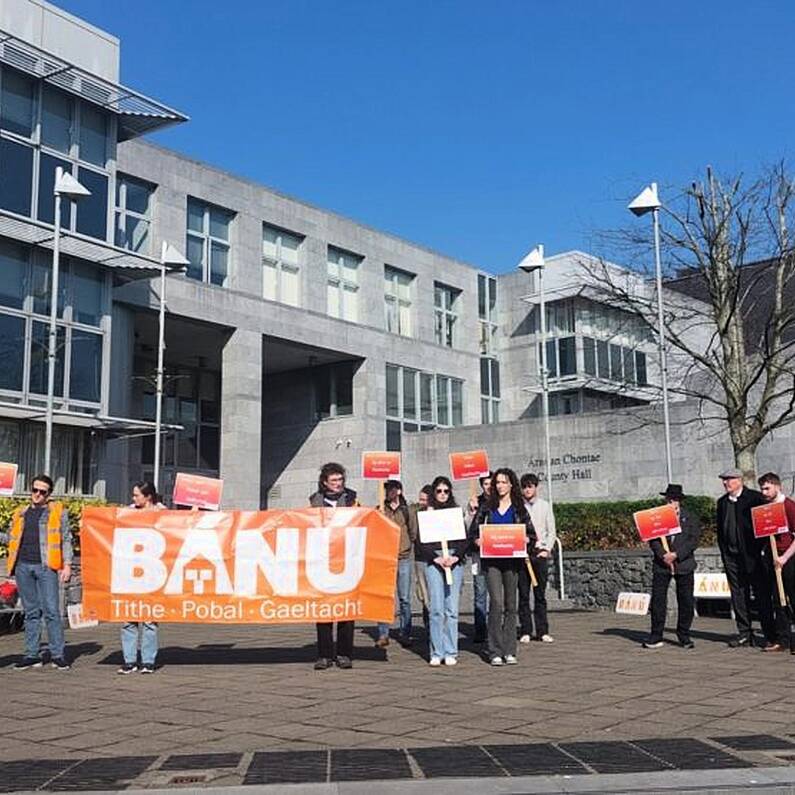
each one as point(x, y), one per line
point(685, 602)
point(741, 581)
point(541, 569)
point(325, 639)
point(501, 581)
point(783, 625)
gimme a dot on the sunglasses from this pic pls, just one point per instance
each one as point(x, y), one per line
point(442, 491)
point(43, 492)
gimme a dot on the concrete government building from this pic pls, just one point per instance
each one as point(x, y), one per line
point(295, 337)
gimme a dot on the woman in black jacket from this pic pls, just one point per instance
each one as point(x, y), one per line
point(504, 505)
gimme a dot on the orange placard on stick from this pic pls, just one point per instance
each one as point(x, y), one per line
point(237, 567)
point(472, 464)
point(503, 541)
point(381, 466)
point(197, 491)
point(657, 522)
point(8, 477)
point(769, 520)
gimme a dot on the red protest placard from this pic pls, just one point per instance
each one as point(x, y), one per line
point(381, 466)
point(197, 491)
point(769, 520)
point(657, 522)
point(472, 464)
point(8, 477)
point(503, 541)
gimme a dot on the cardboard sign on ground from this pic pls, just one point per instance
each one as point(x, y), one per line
point(198, 491)
point(657, 522)
point(633, 604)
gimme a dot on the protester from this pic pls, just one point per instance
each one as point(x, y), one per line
point(396, 509)
point(444, 598)
point(504, 505)
point(421, 586)
point(742, 560)
point(144, 498)
point(680, 563)
point(480, 593)
point(770, 484)
point(332, 493)
point(543, 520)
point(40, 558)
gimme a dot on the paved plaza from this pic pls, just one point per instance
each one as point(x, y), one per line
point(228, 701)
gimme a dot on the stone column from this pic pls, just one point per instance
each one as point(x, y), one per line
point(241, 419)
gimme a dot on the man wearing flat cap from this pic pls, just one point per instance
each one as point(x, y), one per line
point(742, 559)
point(680, 563)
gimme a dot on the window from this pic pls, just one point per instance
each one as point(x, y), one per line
point(41, 128)
point(567, 351)
point(419, 401)
point(561, 403)
point(397, 300)
point(133, 214)
point(343, 284)
point(489, 390)
point(640, 368)
point(24, 329)
point(615, 362)
point(280, 265)
point(487, 313)
point(334, 389)
point(207, 247)
point(589, 355)
point(445, 300)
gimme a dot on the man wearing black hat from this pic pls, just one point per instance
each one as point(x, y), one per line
point(679, 562)
point(742, 559)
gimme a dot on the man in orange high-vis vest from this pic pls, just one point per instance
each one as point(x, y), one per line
point(40, 557)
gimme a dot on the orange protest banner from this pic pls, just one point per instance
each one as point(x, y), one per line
point(271, 567)
point(197, 491)
point(381, 466)
point(503, 541)
point(657, 522)
point(769, 520)
point(472, 464)
point(8, 477)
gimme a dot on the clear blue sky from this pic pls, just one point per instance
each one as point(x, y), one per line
point(478, 129)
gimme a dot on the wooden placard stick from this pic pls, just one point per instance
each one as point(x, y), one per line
point(473, 488)
point(381, 495)
point(667, 549)
point(533, 578)
point(448, 574)
point(782, 597)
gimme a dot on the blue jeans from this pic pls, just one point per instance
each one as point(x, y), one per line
point(38, 588)
point(443, 610)
point(405, 570)
point(129, 642)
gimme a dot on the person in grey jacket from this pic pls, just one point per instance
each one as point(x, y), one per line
point(40, 558)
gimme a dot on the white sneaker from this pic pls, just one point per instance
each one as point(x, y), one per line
point(435, 662)
point(524, 639)
point(496, 660)
point(547, 639)
point(450, 661)
point(510, 659)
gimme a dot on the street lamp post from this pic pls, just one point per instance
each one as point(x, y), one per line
point(65, 186)
point(170, 259)
point(647, 201)
point(535, 262)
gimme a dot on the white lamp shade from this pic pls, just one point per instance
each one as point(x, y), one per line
point(67, 185)
point(171, 258)
point(646, 201)
point(533, 261)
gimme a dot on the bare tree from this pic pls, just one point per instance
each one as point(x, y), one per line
point(730, 303)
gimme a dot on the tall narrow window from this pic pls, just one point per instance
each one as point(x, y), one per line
point(489, 390)
point(207, 244)
point(280, 265)
point(133, 214)
point(397, 300)
point(342, 290)
point(445, 303)
point(487, 313)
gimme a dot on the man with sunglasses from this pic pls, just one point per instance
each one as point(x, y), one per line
point(40, 558)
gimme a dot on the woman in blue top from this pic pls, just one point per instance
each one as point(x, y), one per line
point(443, 598)
point(504, 505)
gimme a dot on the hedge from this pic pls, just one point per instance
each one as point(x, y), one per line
point(609, 525)
point(73, 504)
